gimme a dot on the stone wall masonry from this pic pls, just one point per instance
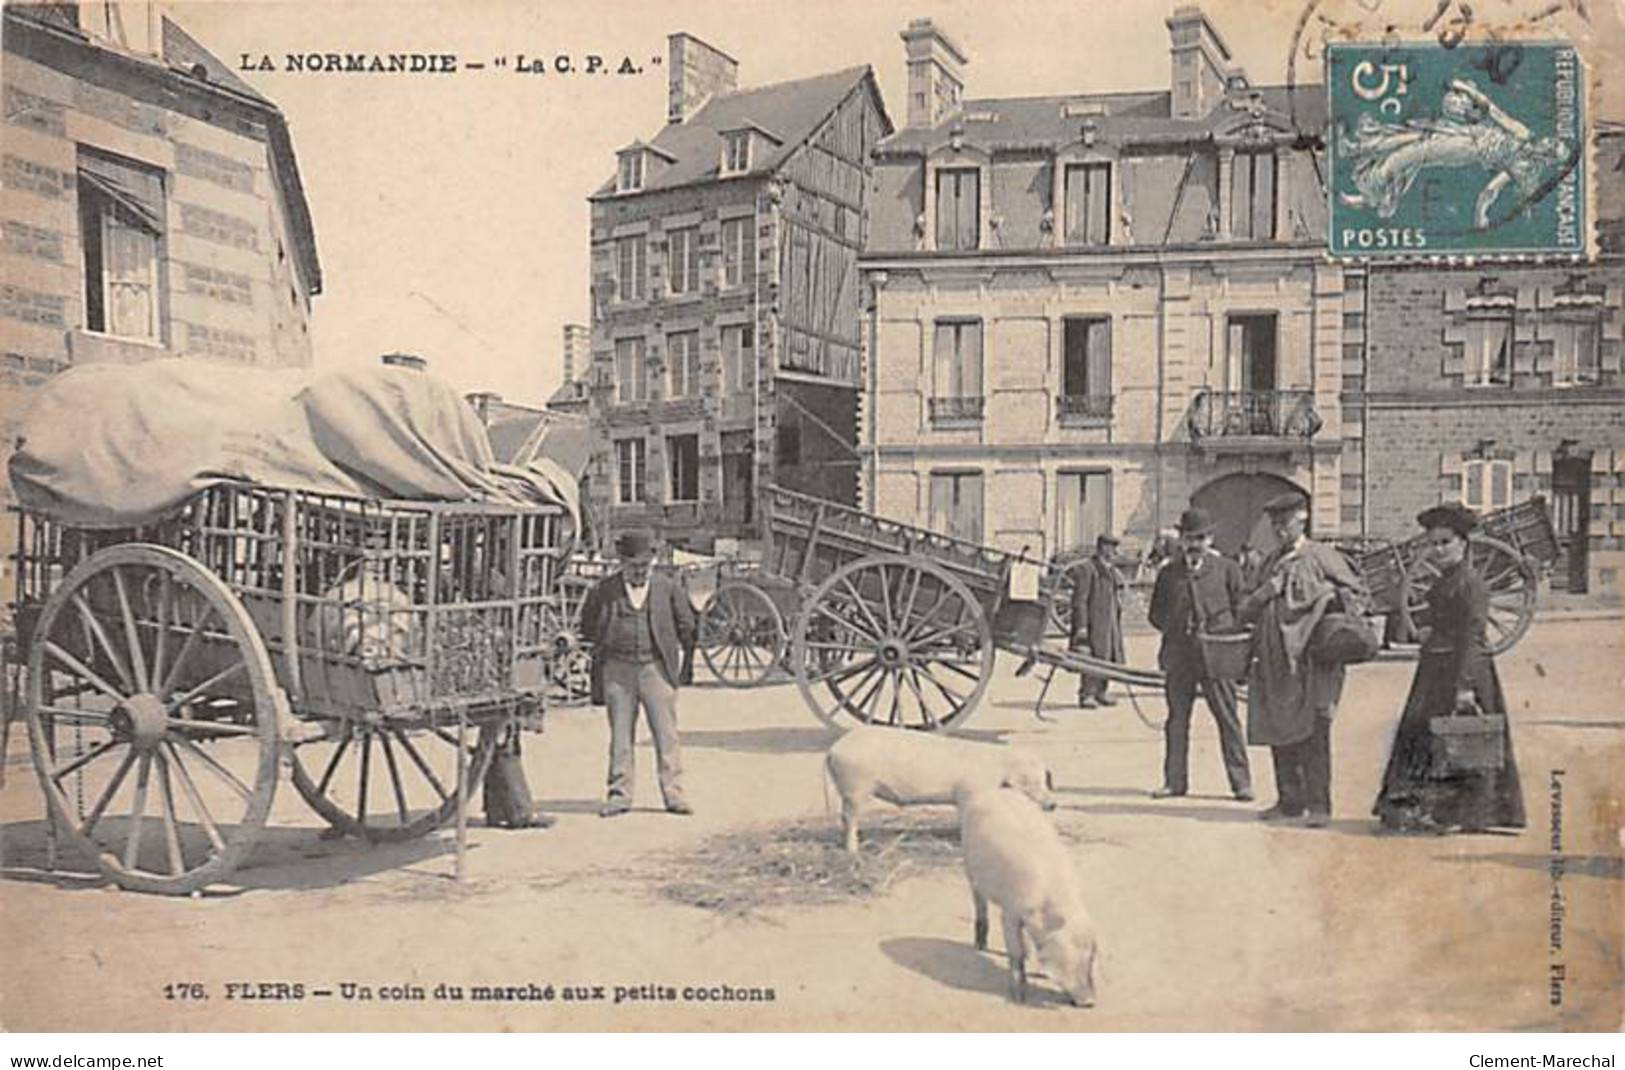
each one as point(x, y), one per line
point(1416, 316)
point(1415, 454)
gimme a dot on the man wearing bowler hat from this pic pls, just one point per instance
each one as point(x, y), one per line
point(1197, 591)
point(1097, 618)
point(639, 623)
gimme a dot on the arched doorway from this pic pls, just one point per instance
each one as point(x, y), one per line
point(1236, 502)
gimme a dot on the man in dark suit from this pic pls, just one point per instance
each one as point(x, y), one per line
point(639, 624)
point(1197, 591)
point(1097, 618)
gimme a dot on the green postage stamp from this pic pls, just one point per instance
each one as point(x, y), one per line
point(1474, 150)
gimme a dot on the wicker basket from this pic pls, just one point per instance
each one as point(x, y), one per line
point(1227, 657)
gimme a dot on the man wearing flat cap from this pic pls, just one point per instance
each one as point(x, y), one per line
point(639, 623)
point(1097, 618)
point(1198, 591)
point(1291, 697)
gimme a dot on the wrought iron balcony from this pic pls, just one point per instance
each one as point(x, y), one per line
point(950, 410)
point(1242, 415)
point(1082, 408)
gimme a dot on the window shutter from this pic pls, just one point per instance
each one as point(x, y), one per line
point(947, 209)
point(970, 360)
point(942, 376)
point(969, 209)
point(1099, 205)
point(941, 491)
point(970, 508)
point(1100, 358)
point(1263, 209)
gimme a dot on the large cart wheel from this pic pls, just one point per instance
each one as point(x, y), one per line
point(1058, 625)
point(741, 634)
point(569, 661)
point(149, 689)
point(893, 640)
point(389, 782)
point(1512, 582)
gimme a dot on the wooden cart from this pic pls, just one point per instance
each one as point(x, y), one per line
point(1512, 549)
point(885, 623)
point(379, 649)
point(876, 621)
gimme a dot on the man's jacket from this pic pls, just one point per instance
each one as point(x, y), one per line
point(671, 619)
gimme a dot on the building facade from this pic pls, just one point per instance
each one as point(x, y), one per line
point(1089, 311)
point(150, 204)
point(725, 299)
point(1491, 384)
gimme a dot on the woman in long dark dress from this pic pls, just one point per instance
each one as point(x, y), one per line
point(1455, 673)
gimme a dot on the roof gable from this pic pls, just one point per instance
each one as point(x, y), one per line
point(791, 111)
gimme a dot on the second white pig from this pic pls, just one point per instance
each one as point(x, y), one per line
point(1014, 857)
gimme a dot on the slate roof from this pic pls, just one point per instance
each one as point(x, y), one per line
point(790, 110)
point(182, 50)
point(1133, 117)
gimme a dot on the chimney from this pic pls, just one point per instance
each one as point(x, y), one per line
point(936, 73)
point(577, 339)
point(405, 360)
point(1201, 63)
point(697, 73)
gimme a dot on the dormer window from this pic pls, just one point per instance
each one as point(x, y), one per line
point(743, 146)
point(631, 174)
point(736, 152)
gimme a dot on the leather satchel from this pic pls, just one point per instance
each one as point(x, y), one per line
point(1343, 639)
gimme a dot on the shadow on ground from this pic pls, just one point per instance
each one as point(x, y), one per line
point(1603, 867)
point(761, 740)
point(282, 859)
point(959, 965)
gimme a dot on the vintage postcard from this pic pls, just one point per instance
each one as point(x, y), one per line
point(698, 515)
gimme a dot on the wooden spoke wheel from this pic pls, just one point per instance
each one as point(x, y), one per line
point(1059, 624)
point(1513, 587)
point(389, 782)
point(152, 713)
point(741, 634)
point(893, 640)
point(569, 661)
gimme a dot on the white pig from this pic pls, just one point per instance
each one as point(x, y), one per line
point(905, 768)
point(1014, 857)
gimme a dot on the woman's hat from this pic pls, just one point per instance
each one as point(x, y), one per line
point(1195, 521)
point(635, 545)
point(1453, 515)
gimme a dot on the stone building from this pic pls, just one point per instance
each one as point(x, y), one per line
point(1090, 310)
point(1494, 383)
point(150, 203)
point(725, 299)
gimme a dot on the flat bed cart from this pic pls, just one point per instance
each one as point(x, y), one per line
point(378, 649)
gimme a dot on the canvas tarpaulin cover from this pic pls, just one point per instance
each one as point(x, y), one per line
point(112, 445)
